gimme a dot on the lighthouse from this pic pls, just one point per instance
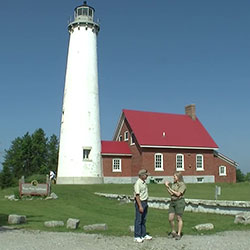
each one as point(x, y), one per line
point(80, 141)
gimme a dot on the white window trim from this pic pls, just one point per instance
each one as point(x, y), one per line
point(120, 165)
point(161, 168)
point(126, 136)
point(225, 171)
point(131, 139)
point(202, 168)
point(120, 138)
point(182, 168)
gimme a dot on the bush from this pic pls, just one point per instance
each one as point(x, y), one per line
point(17, 194)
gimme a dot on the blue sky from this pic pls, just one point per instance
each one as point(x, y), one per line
point(153, 56)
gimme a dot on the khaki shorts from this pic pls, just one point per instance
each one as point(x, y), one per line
point(177, 207)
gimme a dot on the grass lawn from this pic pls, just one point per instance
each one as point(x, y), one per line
point(79, 201)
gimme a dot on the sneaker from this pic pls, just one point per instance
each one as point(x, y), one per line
point(147, 237)
point(178, 237)
point(138, 240)
point(172, 235)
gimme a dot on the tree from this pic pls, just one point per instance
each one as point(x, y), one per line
point(248, 177)
point(6, 178)
point(53, 150)
point(29, 155)
point(39, 152)
point(240, 177)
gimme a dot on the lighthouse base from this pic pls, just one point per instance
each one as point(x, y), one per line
point(79, 180)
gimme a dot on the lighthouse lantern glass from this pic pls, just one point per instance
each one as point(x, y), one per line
point(84, 12)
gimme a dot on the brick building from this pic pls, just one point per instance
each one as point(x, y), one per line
point(163, 144)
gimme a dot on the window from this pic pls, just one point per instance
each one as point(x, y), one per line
point(86, 152)
point(79, 12)
point(158, 162)
point(90, 12)
point(200, 179)
point(120, 138)
point(199, 163)
point(126, 136)
point(179, 162)
point(117, 165)
point(85, 11)
point(132, 139)
point(222, 171)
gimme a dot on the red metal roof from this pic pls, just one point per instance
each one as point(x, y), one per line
point(168, 130)
point(115, 147)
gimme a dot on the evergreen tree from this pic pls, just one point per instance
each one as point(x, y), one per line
point(53, 149)
point(13, 158)
point(6, 178)
point(240, 177)
point(27, 156)
point(247, 177)
point(39, 152)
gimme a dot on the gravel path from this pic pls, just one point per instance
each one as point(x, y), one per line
point(32, 240)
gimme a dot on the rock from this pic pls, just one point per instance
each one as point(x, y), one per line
point(11, 197)
point(93, 227)
point(73, 223)
point(54, 196)
point(131, 229)
point(206, 226)
point(242, 218)
point(53, 223)
point(16, 219)
point(51, 197)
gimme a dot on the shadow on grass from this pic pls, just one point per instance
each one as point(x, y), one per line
point(3, 219)
point(4, 227)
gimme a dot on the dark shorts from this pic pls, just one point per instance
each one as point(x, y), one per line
point(177, 207)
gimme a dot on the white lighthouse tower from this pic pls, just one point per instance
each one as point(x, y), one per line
point(80, 141)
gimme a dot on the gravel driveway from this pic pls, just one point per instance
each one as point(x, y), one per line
point(27, 240)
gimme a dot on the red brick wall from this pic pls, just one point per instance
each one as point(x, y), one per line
point(107, 166)
point(136, 160)
point(230, 171)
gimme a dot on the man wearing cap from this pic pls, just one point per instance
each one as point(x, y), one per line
point(141, 207)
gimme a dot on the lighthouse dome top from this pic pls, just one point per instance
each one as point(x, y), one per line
point(84, 12)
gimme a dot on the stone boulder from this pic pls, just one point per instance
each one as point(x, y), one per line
point(16, 219)
point(242, 218)
point(73, 223)
point(52, 196)
point(100, 227)
point(53, 223)
point(206, 226)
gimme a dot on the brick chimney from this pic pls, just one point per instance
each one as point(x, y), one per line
point(190, 111)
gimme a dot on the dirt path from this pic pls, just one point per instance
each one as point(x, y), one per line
point(32, 240)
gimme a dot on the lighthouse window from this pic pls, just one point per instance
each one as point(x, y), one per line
point(79, 12)
point(86, 153)
point(90, 12)
point(85, 11)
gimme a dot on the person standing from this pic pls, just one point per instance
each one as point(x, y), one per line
point(141, 207)
point(177, 204)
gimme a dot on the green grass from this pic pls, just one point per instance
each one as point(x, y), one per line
point(79, 201)
point(229, 191)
